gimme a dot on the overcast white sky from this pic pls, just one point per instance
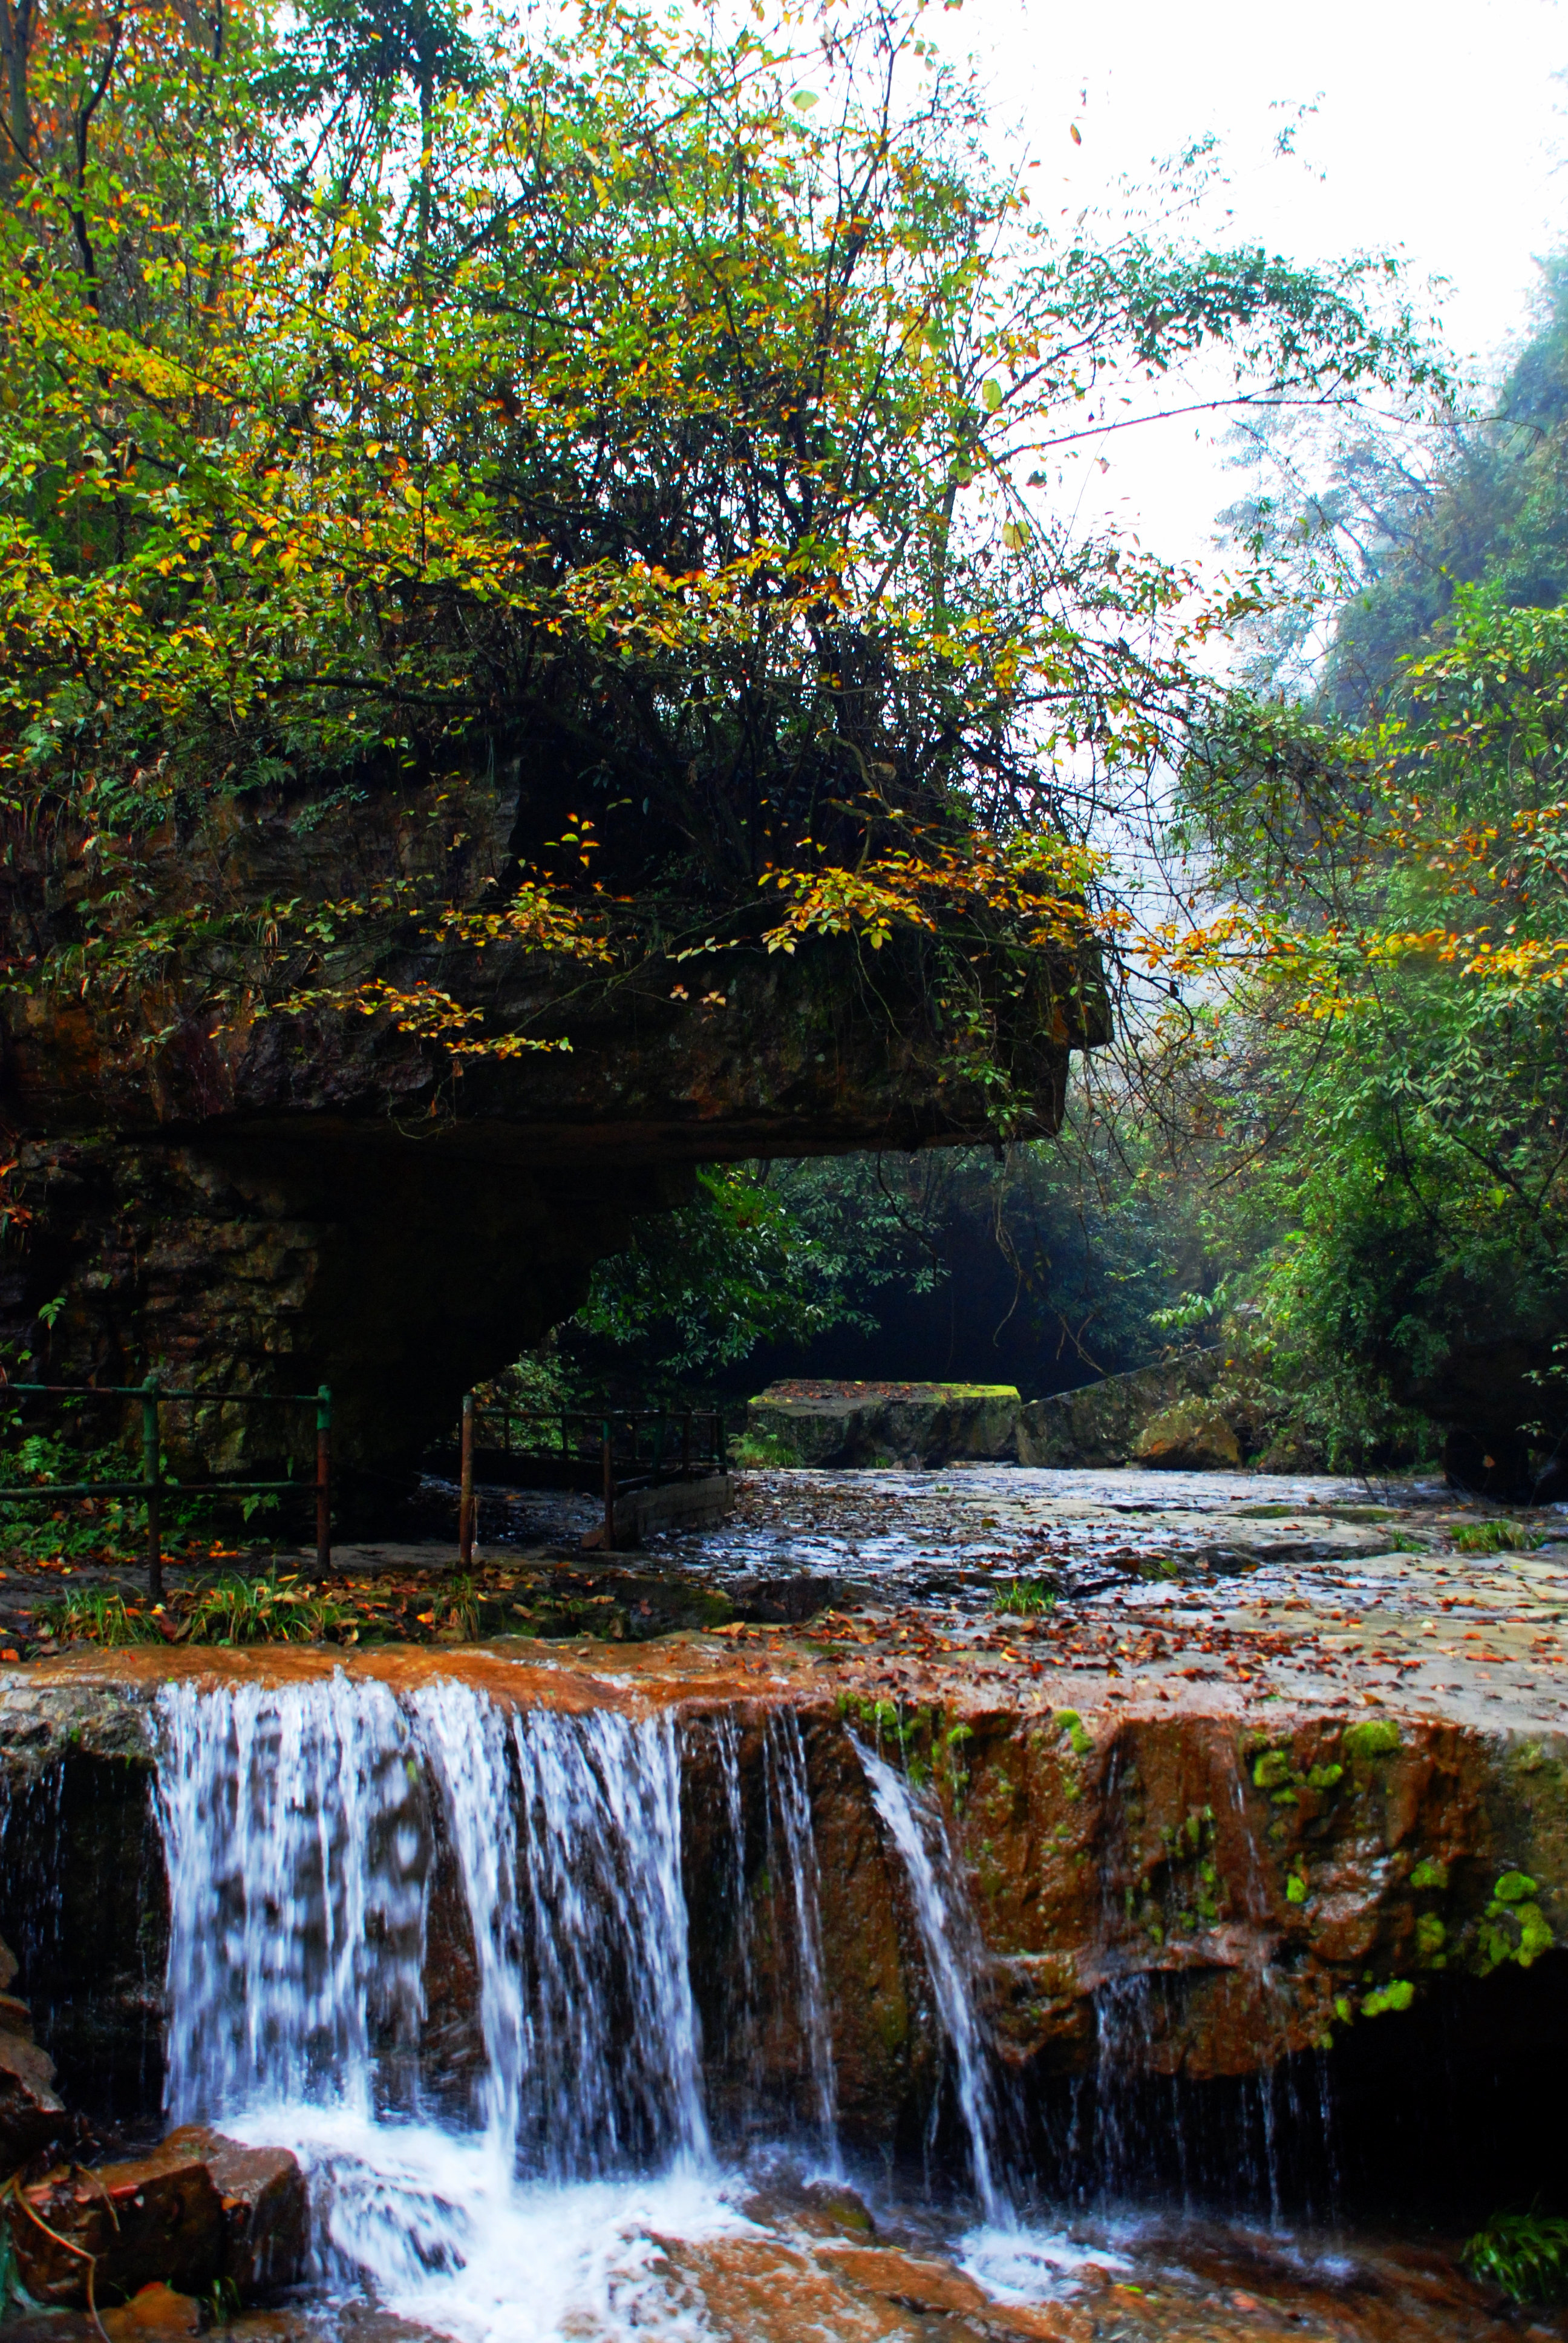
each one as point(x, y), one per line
point(1439, 130)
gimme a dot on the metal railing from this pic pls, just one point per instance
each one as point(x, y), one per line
point(621, 1449)
point(154, 1482)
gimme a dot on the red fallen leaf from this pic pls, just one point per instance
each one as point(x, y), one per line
point(10, 1655)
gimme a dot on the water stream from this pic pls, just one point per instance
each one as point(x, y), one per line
point(953, 1949)
point(443, 1950)
point(306, 1831)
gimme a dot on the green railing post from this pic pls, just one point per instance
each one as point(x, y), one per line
point(151, 1481)
point(323, 1482)
point(466, 1486)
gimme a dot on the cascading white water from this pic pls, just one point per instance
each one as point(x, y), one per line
point(303, 1834)
point(740, 2015)
point(604, 1917)
point(951, 1947)
point(296, 1853)
point(788, 1795)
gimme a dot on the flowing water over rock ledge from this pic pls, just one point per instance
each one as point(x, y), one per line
point(586, 1980)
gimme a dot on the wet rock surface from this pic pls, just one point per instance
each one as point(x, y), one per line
point(199, 2211)
point(31, 2115)
point(123, 2226)
point(1220, 1733)
point(1249, 1780)
point(265, 2208)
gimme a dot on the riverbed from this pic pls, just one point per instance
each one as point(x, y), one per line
point(1011, 1937)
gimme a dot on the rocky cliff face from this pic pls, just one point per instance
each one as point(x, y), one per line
point(1190, 1896)
point(245, 1199)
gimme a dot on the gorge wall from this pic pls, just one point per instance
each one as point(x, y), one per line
point(264, 1201)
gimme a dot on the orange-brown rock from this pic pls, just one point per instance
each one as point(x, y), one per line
point(1257, 1869)
point(158, 2218)
point(265, 2207)
point(155, 2314)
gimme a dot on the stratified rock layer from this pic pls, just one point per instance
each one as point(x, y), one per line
point(253, 1200)
point(1280, 1879)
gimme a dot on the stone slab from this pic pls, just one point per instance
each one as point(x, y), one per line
point(861, 1424)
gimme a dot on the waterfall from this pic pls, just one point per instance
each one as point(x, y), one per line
point(604, 1915)
point(326, 1842)
point(952, 1949)
point(741, 2011)
point(298, 1841)
point(788, 1795)
point(296, 1852)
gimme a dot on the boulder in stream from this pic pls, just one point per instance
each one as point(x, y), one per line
point(1192, 1436)
point(158, 2217)
point(804, 1422)
point(200, 2207)
point(265, 2207)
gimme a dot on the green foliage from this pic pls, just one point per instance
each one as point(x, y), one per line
point(1044, 1264)
point(699, 1288)
point(1024, 1598)
point(1496, 1538)
point(1397, 1995)
point(94, 1614)
point(1079, 1739)
point(389, 390)
point(70, 1530)
point(1524, 2254)
point(1374, 1083)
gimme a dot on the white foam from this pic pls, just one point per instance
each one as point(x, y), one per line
point(1029, 2265)
point(440, 2231)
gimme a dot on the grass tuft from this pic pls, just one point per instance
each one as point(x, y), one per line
point(1497, 1537)
point(1024, 1598)
point(95, 1615)
point(1524, 2254)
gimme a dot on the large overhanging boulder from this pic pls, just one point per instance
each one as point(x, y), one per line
point(271, 1200)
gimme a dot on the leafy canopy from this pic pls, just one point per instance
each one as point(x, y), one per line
point(662, 407)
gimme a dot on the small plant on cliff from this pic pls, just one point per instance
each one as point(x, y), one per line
point(1524, 2254)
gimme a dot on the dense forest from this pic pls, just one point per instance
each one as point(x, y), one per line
point(1345, 1155)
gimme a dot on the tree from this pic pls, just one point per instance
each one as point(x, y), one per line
point(660, 410)
point(1380, 1051)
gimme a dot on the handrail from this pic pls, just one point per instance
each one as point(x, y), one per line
point(174, 1398)
point(152, 1484)
point(600, 1446)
